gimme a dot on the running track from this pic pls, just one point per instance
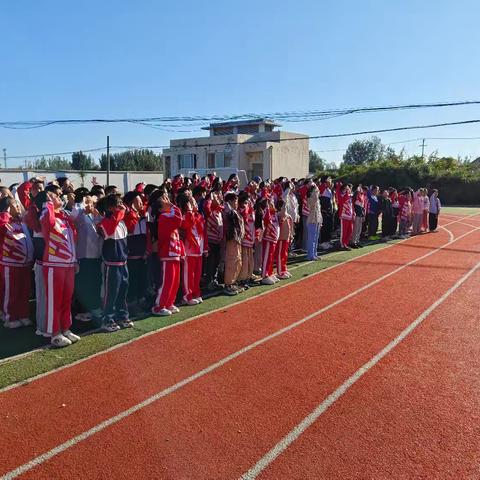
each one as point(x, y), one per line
point(302, 382)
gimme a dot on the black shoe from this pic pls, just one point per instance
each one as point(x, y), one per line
point(230, 290)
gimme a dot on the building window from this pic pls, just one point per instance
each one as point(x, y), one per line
point(219, 160)
point(187, 160)
point(211, 161)
point(222, 131)
point(248, 129)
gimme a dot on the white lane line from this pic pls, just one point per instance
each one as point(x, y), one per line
point(299, 429)
point(197, 317)
point(450, 234)
point(468, 224)
point(214, 366)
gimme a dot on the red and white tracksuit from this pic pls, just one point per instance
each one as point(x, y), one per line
point(286, 234)
point(269, 243)
point(248, 241)
point(214, 222)
point(58, 265)
point(170, 251)
point(196, 245)
point(347, 216)
point(16, 258)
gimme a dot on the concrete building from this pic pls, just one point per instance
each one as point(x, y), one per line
point(251, 145)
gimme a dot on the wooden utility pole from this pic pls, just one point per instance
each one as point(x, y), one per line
point(108, 160)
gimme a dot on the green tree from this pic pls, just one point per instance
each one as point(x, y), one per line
point(136, 160)
point(363, 152)
point(83, 162)
point(316, 163)
point(53, 163)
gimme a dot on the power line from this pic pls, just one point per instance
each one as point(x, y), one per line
point(305, 137)
point(292, 116)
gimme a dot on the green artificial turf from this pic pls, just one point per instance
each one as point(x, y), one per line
point(32, 363)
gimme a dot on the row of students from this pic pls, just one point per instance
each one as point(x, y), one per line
point(112, 255)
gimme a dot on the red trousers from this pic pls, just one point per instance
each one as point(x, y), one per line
point(192, 273)
point(281, 256)
point(425, 220)
point(169, 286)
point(15, 287)
point(268, 254)
point(59, 283)
point(346, 231)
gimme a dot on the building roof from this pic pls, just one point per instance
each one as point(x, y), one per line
point(238, 123)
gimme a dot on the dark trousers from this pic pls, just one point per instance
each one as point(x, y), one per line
point(137, 285)
point(213, 262)
point(115, 287)
point(372, 224)
point(154, 275)
point(327, 227)
point(298, 242)
point(432, 221)
point(88, 283)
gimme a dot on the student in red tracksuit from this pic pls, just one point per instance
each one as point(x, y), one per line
point(170, 251)
point(246, 210)
point(59, 264)
point(269, 243)
point(285, 237)
point(212, 209)
point(16, 259)
point(347, 216)
point(196, 246)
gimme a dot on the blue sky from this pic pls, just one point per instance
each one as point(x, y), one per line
point(149, 58)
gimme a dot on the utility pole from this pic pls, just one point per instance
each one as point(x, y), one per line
point(423, 148)
point(5, 157)
point(108, 160)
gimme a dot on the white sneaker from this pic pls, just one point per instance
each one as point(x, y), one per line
point(71, 336)
point(42, 334)
point(267, 281)
point(164, 312)
point(199, 300)
point(192, 302)
point(275, 278)
point(283, 276)
point(14, 324)
point(59, 341)
point(174, 309)
point(26, 322)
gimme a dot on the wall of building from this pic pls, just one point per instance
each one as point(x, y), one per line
point(290, 158)
point(123, 180)
point(285, 158)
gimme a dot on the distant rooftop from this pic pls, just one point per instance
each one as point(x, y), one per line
point(241, 123)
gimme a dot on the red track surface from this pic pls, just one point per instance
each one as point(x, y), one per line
point(219, 425)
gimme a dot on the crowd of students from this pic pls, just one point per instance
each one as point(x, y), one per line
point(108, 257)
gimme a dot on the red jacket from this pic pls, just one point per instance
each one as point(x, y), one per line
point(195, 234)
point(16, 247)
point(214, 219)
point(23, 192)
point(59, 233)
point(248, 214)
point(170, 247)
point(345, 206)
point(272, 228)
point(302, 192)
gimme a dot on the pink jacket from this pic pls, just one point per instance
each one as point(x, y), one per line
point(418, 204)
